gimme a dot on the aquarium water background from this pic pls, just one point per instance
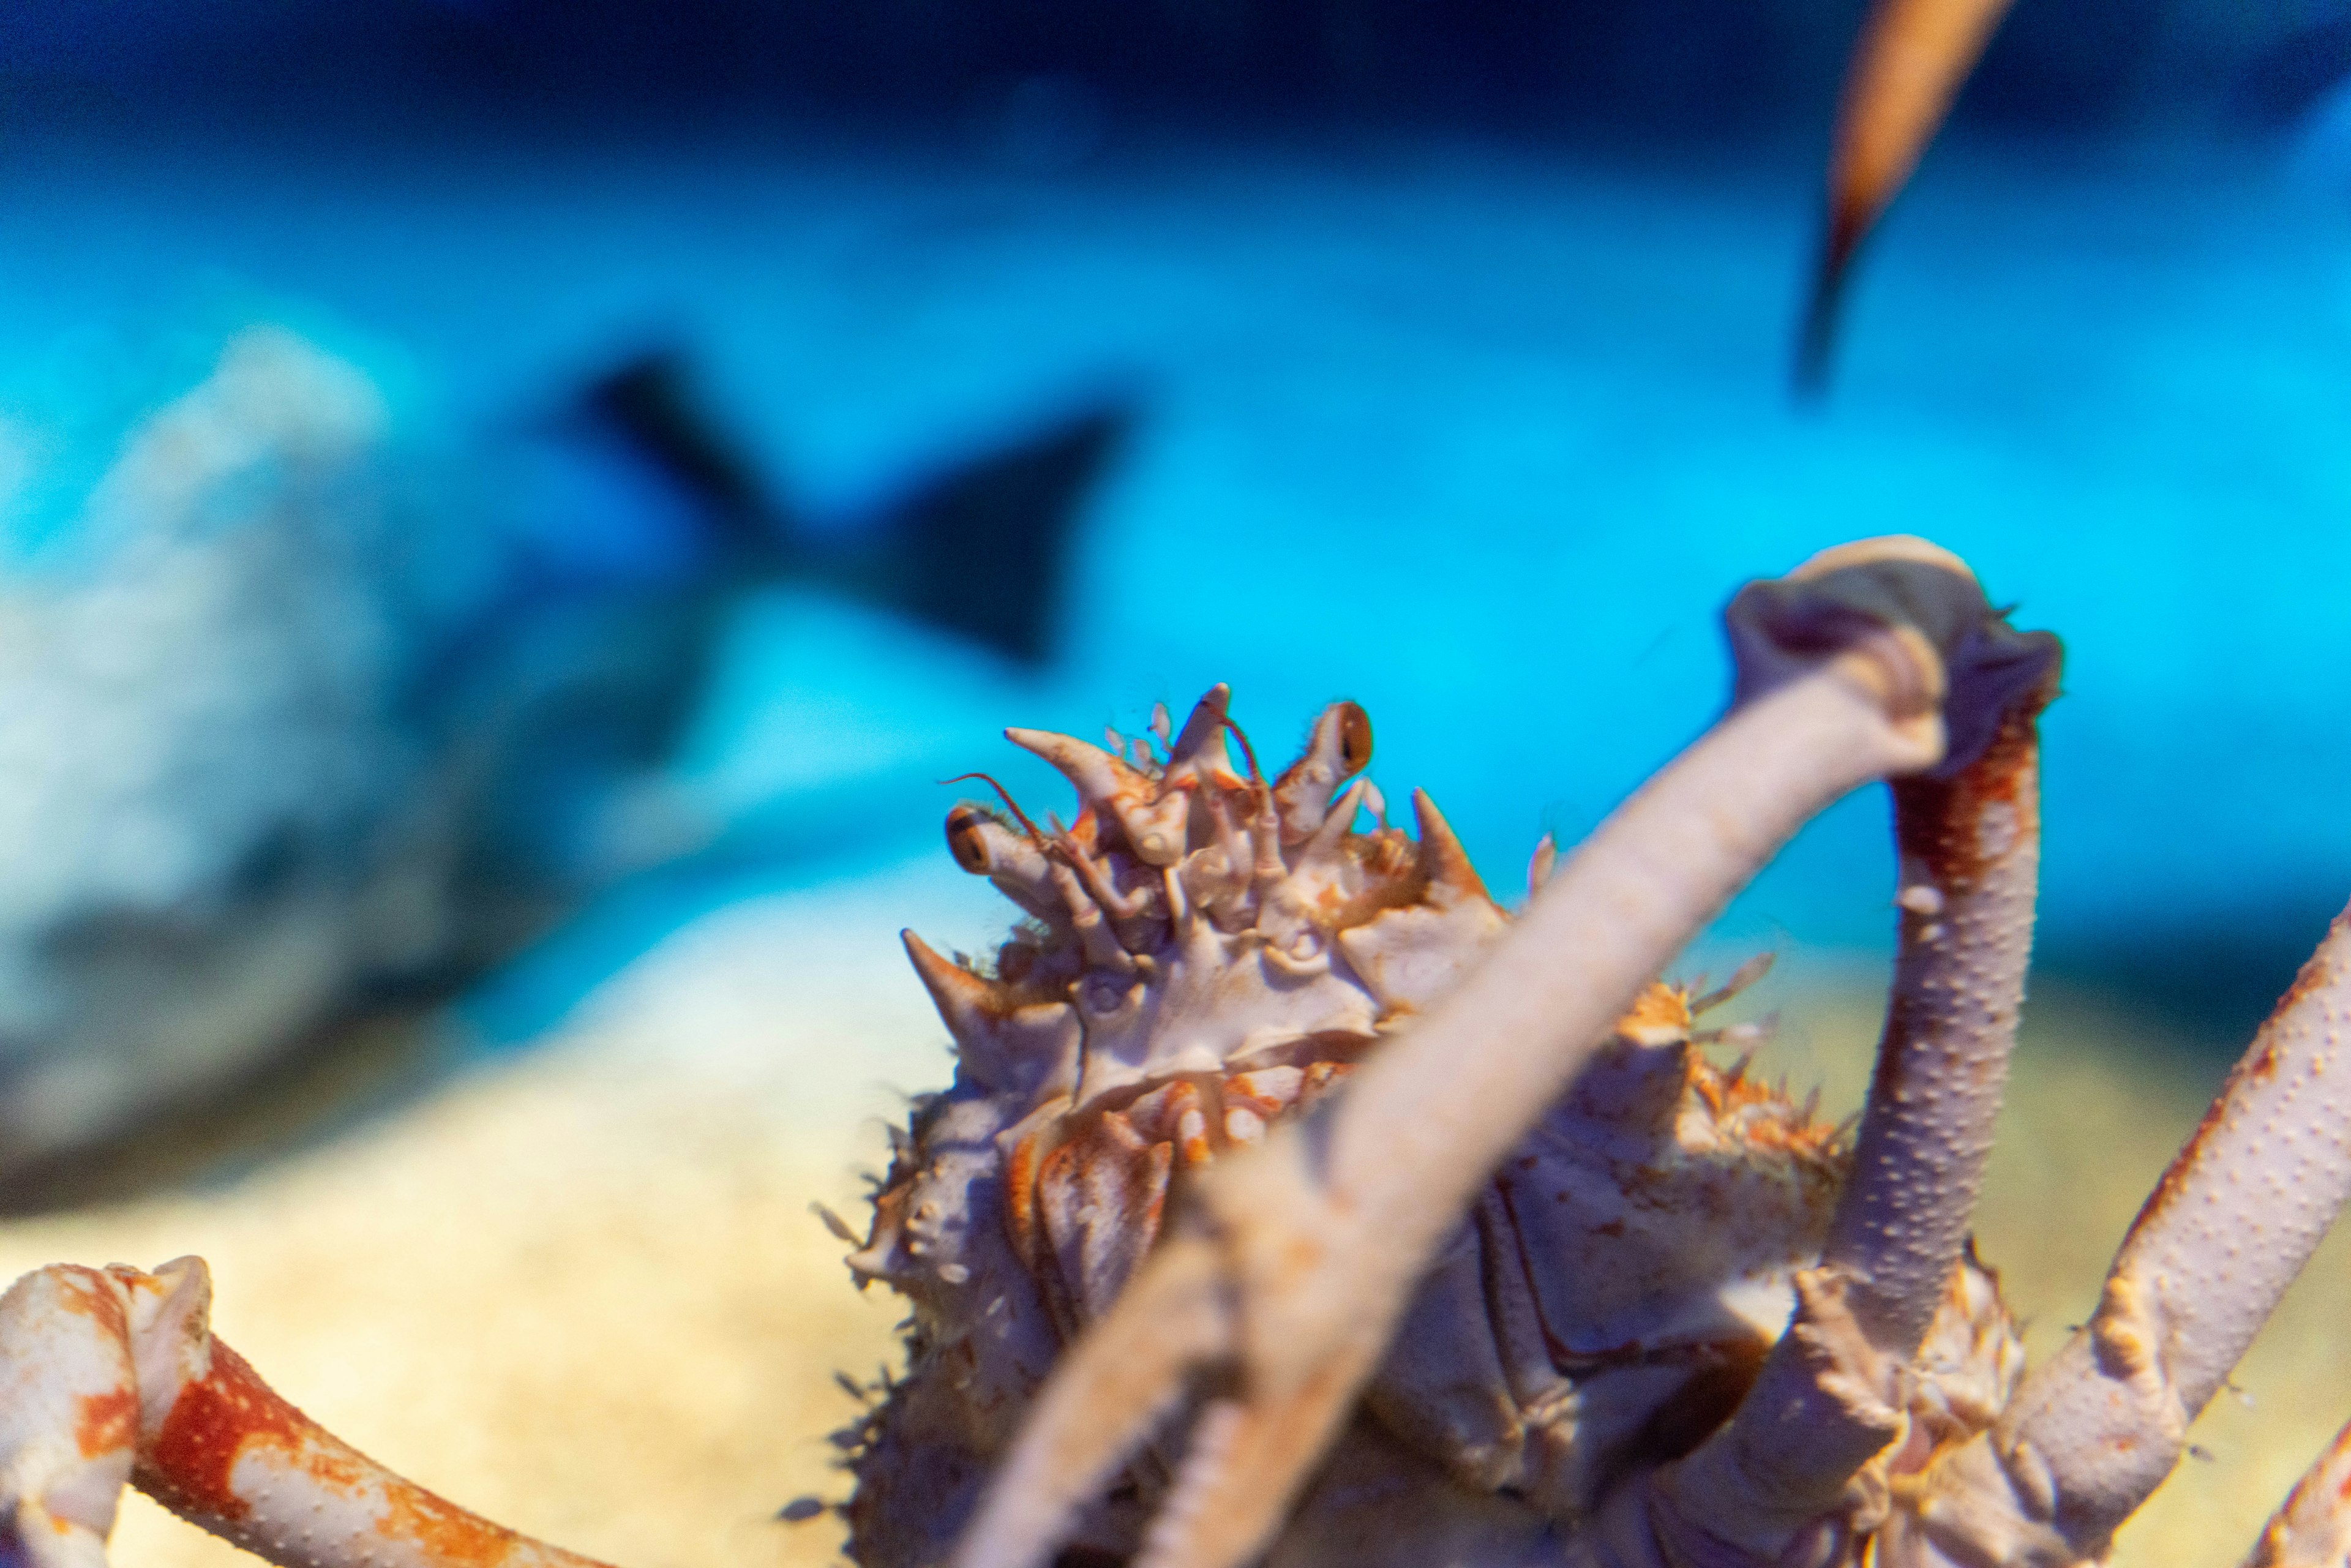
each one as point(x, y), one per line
point(1459, 339)
point(1456, 341)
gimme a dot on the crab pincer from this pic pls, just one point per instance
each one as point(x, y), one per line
point(1281, 1281)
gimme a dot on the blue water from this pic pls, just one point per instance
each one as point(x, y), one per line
point(1481, 437)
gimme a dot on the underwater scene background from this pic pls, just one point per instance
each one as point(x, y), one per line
point(402, 404)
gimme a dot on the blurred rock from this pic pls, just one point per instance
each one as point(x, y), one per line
point(302, 733)
point(213, 824)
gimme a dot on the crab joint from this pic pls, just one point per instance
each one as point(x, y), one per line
point(153, 1397)
point(2224, 1233)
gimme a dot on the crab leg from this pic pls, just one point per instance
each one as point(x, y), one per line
point(112, 1375)
point(1968, 844)
point(2093, 1432)
point(1907, 66)
point(2312, 1529)
point(1292, 1266)
point(1969, 848)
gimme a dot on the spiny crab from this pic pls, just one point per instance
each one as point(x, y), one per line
point(1428, 1224)
point(1294, 1202)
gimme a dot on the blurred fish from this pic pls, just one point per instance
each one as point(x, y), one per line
point(976, 548)
point(294, 745)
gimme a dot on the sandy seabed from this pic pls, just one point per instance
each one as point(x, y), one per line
point(584, 1293)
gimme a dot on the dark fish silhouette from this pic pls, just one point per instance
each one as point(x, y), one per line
point(978, 549)
point(272, 788)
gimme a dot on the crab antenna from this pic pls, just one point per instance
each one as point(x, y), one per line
point(1969, 845)
point(1011, 804)
point(1906, 68)
point(1248, 750)
point(1319, 1235)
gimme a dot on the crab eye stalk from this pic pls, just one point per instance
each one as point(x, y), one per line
point(1355, 739)
point(965, 840)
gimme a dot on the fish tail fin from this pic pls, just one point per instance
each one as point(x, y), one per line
point(651, 403)
point(983, 549)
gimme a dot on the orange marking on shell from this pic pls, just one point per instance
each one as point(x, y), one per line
point(230, 1413)
point(86, 1292)
point(209, 1426)
point(442, 1531)
point(2175, 1175)
point(1192, 1139)
point(1152, 1116)
point(107, 1421)
point(1243, 1126)
point(1173, 1113)
point(1938, 819)
point(1391, 879)
point(1021, 1172)
point(1321, 1078)
point(1660, 1013)
point(1759, 1115)
point(1185, 1123)
point(1267, 1092)
point(1101, 1196)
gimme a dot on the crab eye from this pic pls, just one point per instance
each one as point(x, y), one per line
point(964, 840)
point(1355, 739)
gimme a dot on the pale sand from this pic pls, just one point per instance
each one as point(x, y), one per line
point(584, 1293)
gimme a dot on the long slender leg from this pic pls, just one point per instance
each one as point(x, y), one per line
point(2313, 1528)
point(1317, 1237)
point(113, 1375)
point(1907, 66)
point(1827, 1399)
point(2094, 1431)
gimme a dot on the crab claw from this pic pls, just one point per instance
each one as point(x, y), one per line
point(1287, 1272)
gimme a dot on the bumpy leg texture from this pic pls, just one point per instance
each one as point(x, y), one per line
point(1831, 1396)
point(112, 1375)
point(2313, 1530)
point(2222, 1236)
point(2094, 1431)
